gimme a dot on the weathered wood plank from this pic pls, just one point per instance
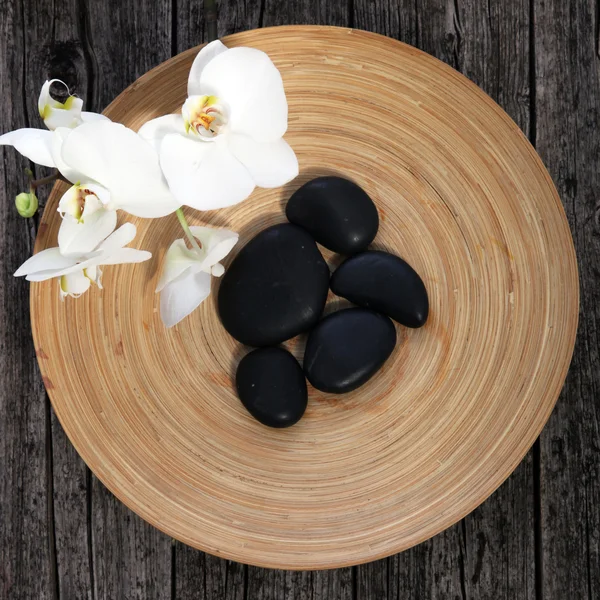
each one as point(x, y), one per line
point(394, 18)
point(60, 53)
point(131, 559)
point(200, 576)
point(72, 525)
point(266, 584)
point(567, 111)
point(435, 569)
point(438, 30)
point(498, 542)
point(306, 12)
point(238, 15)
point(62, 39)
point(494, 53)
point(491, 553)
point(124, 39)
point(27, 565)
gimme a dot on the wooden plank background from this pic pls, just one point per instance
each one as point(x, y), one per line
point(64, 536)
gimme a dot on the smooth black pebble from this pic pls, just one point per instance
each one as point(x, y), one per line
point(347, 348)
point(275, 288)
point(386, 283)
point(337, 212)
point(272, 387)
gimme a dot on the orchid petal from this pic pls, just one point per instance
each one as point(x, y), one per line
point(204, 175)
point(121, 161)
point(94, 274)
point(216, 243)
point(178, 259)
point(33, 144)
point(117, 257)
point(271, 164)
point(59, 117)
point(202, 59)
point(79, 263)
point(121, 237)
point(101, 192)
point(89, 117)
point(155, 130)
point(109, 252)
point(123, 256)
point(249, 83)
point(80, 237)
point(89, 149)
point(182, 296)
point(80, 201)
point(217, 270)
point(59, 114)
point(45, 99)
point(51, 263)
point(74, 284)
point(45, 262)
point(59, 136)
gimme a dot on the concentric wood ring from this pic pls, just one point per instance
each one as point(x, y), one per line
point(462, 197)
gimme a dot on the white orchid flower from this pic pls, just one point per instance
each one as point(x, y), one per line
point(87, 218)
point(112, 168)
point(114, 158)
point(78, 272)
point(63, 114)
point(229, 137)
point(89, 148)
point(185, 280)
point(36, 144)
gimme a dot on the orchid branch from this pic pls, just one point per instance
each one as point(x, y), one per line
point(35, 183)
point(186, 229)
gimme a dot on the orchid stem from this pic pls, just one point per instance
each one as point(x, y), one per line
point(186, 230)
point(35, 183)
point(210, 18)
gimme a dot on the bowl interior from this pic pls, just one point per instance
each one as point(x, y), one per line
point(462, 197)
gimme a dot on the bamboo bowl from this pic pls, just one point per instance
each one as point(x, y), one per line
point(462, 196)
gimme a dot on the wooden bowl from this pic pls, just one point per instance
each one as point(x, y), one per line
point(462, 196)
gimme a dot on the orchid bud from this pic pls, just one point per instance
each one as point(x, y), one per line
point(27, 204)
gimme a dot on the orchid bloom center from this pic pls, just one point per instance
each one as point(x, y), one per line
point(204, 116)
point(79, 202)
point(45, 110)
point(76, 284)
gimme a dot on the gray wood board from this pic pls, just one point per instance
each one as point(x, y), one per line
point(63, 535)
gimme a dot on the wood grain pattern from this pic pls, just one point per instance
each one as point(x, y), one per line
point(567, 107)
point(62, 54)
point(268, 584)
point(54, 45)
point(26, 538)
point(478, 218)
point(491, 553)
point(53, 551)
point(130, 558)
point(309, 12)
point(200, 575)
